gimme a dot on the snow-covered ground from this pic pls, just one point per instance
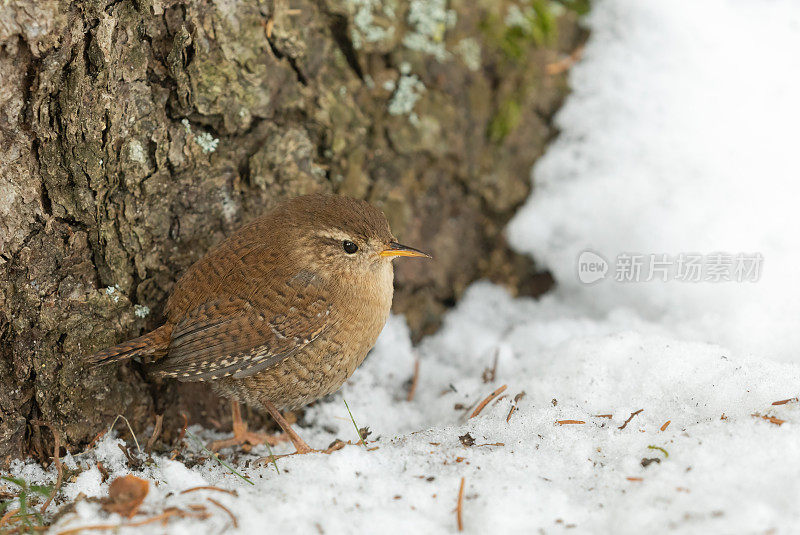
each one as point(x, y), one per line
point(679, 138)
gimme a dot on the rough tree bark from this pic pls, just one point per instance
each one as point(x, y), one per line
point(135, 134)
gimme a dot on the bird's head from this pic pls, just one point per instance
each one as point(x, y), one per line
point(343, 235)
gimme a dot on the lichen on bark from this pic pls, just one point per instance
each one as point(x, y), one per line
point(136, 135)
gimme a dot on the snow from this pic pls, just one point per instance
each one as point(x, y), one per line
point(736, 474)
point(678, 138)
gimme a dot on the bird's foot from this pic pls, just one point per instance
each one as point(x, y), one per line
point(300, 446)
point(245, 438)
point(299, 451)
point(303, 448)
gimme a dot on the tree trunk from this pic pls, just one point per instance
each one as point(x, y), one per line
point(134, 135)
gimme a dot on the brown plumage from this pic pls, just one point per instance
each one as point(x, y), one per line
point(281, 312)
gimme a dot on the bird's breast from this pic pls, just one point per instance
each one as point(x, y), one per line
point(358, 313)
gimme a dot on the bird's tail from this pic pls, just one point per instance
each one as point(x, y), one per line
point(153, 344)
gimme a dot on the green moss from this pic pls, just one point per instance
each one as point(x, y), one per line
point(505, 120)
point(543, 26)
point(581, 7)
point(531, 25)
point(509, 40)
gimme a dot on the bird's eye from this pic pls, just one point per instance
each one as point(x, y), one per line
point(349, 247)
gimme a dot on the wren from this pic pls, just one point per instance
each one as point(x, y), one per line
point(281, 312)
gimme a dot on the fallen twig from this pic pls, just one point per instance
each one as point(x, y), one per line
point(156, 431)
point(634, 479)
point(230, 514)
point(487, 400)
point(569, 422)
point(665, 425)
point(133, 462)
point(57, 460)
point(624, 425)
point(785, 401)
point(608, 416)
point(459, 506)
point(413, 389)
point(103, 471)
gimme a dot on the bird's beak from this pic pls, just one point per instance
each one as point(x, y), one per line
point(396, 249)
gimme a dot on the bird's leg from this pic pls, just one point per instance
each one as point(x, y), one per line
point(242, 436)
point(299, 444)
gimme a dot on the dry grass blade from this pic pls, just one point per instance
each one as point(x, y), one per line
point(163, 517)
point(135, 441)
point(607, 416)
point(210, 487)
point(230, 514)
point(569, 422)
point(785, 401)
point(487, 400)
point(459, 506)
point(4, 519)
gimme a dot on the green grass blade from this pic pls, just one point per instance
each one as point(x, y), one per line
point(217, 457)
point(358, 433)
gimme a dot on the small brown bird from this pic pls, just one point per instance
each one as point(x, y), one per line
point(280, 313)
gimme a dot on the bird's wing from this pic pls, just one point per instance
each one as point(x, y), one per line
point(235, 336)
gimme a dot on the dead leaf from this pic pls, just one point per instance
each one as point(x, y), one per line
point(125, 495)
